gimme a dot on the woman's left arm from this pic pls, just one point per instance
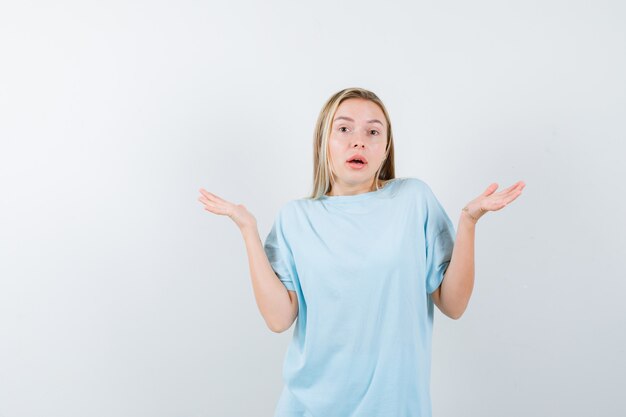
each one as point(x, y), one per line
point(453, 295)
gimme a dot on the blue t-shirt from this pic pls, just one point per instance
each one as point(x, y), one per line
point(363, 267)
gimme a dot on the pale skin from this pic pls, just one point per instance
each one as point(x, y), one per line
point(453, 295)
point(278, 306)
point(359, 126)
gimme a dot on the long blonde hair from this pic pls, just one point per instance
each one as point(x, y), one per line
point(322, 168)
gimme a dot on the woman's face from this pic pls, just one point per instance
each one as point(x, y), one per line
point(358, 127)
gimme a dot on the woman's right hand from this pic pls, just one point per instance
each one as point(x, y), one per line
point(237, 212)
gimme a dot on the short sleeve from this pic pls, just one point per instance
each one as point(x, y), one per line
point(440, 235)
point(279, 253)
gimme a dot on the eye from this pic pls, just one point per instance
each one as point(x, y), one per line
point(377, 132)
point(342, 127)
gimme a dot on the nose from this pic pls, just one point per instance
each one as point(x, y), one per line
point(358, 140)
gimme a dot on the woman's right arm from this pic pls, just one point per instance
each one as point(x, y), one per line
point(278, 306)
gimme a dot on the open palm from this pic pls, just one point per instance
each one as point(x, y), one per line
point(237, 212)
point(492, 201)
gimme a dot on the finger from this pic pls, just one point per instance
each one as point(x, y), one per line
point(509, 189)
point(503, 202)
point(515, 188)
point(513, 196)
point(490, 189)
point(216, 198)
point(206, 202)
point(518, 189)
point(211, 196)
point(518, 186)
point(504, 194)
point(216, 208)
point(206, 193)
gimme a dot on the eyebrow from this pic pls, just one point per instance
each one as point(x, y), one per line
point(352, 120)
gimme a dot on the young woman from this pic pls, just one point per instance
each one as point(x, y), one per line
point(360, 263)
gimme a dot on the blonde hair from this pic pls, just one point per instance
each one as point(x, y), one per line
point(322, 167)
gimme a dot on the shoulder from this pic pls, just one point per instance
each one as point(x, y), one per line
point(416, 185)
point(288, 210)
point(412, 181)
point(421, 192)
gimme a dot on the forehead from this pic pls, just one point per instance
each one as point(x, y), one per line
point(360, 111)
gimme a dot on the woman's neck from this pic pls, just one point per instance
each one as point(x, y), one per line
point(372, 188)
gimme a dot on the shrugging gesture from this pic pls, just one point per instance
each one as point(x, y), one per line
point(491, 201)
point(237, 212)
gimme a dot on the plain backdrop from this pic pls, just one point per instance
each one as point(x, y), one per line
point(121, 296)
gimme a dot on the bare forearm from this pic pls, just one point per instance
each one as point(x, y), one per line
point(272, 297)
point(458, 281)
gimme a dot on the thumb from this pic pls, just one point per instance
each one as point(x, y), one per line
point(491, 189)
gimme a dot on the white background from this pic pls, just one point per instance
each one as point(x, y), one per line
point(120, 296)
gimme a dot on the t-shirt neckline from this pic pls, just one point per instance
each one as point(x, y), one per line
point(356, 197)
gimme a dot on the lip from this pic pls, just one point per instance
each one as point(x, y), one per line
point(357, 155)
point(356, 166)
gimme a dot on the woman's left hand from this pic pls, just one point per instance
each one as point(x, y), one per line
point(488, 201)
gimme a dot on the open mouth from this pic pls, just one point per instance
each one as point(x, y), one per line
point(356, 163)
